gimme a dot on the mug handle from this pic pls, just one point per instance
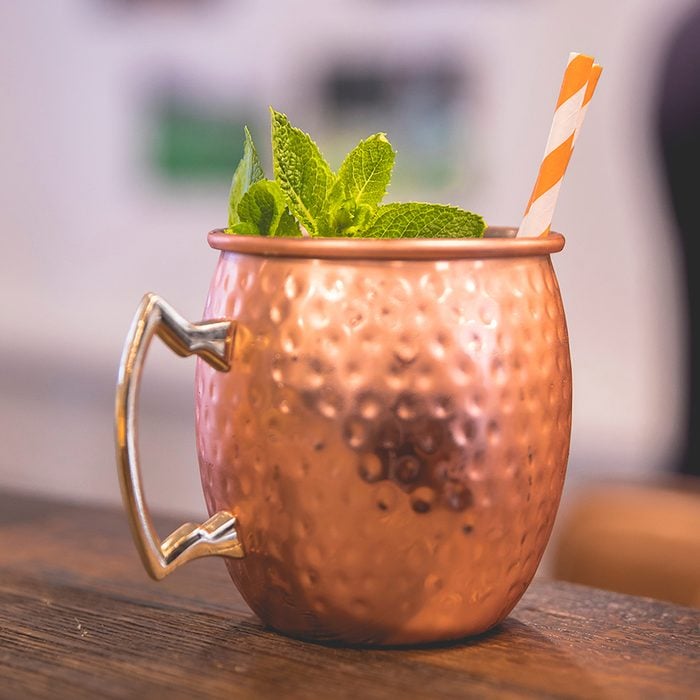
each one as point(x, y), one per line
point(212, 341)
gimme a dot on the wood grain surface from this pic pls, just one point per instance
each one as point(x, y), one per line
point(80, 619)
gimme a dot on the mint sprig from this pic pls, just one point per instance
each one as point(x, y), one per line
point(305, 191)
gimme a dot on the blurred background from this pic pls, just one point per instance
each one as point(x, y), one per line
point(120, 126)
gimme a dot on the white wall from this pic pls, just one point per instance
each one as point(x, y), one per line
point(85, 231)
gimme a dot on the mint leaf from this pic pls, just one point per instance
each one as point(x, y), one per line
point(249, 171)
point(288, 225)
point(303, 174)
point(420, 220)
point(360, 186)
point(263, 212)
point(365, 173)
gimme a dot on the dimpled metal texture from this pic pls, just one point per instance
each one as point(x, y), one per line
point(392, 437)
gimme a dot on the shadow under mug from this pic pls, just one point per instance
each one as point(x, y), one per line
point(382, 429)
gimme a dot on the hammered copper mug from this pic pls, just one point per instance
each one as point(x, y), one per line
point(382, 429)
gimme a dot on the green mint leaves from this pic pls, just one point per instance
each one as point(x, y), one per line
point(361, 184)
point(305, 191)
point(263, 212)
point(257, 206)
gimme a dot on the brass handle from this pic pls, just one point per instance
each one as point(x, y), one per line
point(212, 341)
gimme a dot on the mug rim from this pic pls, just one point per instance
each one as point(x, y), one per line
point(501, 243)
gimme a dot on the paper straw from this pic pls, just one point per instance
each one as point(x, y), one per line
point(577, 88)
point(590, 89)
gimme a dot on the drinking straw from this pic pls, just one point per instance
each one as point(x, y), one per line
point(577, 88)
point(590, 89)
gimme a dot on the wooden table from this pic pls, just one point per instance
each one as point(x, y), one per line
point(80, 619)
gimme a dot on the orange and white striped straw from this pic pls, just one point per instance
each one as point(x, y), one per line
point(596, 70)
point(577, 88)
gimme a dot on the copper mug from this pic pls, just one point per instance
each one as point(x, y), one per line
point(382, 430)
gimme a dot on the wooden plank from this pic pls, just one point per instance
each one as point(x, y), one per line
point(80, 619)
